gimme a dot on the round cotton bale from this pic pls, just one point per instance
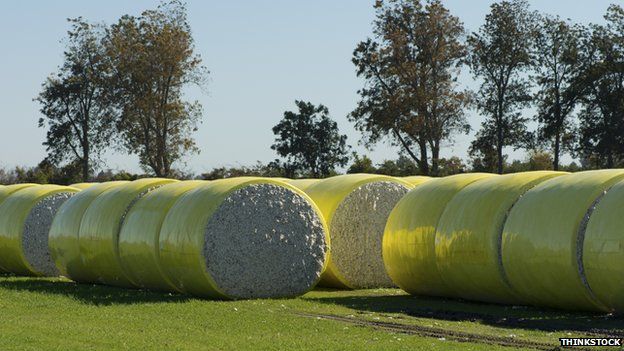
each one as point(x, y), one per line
point(356, 207)
point(63, 240)
point(139, 238)
point(409, 237)
point(302, 184)
point(99, 231)
point(540, 246)
point(82, 186)
point(416, 180)
point(25, 220)
point(603, 249)
point(469, 234)
point(244, 238)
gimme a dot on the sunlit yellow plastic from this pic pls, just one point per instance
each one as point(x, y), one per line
point(6, 191)
point(539, 246)
point(603, 249)
point(99, 231)
point(468, 236)
point(82, 186)
point(328, 194)
point(182, 234)
point(302, 184)
point(63, 240)
point(14, 211)
point(139, 237)
point(409, 237)
point(416, 180)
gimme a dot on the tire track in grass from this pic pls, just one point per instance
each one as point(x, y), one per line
point(438, 333)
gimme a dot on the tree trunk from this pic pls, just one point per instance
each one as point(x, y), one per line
point(435, 157)
point(424, 163)
point(556, 151)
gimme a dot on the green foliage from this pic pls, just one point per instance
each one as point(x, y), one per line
point(153, 59)
point(558, 64)
point(499, 55)
point(75, 103)
point(602, 117)
point(361, 164)
point(44, 173)
point(410, 66)
point(257, 170)
point(310, 142)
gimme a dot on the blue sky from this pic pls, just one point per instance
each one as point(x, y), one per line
point(262, 56)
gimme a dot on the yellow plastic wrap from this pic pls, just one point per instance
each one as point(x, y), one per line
point(82, 186)
point(99, 231)
point(540, 240)
point(328, 194)
point(182, 234)
point(409, 237)
point(7, 190)
point(468, 236)
point(603, 249)
point(63, 240)
point(14, 211)
point(139, 237)
point(416, 180)
point(302, 184)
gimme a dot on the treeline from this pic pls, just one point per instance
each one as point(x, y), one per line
point(571, 73)
point(120, 88)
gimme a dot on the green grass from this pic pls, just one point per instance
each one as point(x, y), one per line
point(55, 314)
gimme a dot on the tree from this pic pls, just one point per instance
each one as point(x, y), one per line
point(153, 59)
point(451, 165)
point(499, 55)
point(558, 63)
point(74, 101)
point(602, 117)
point(310, 142)
point(361, 165)
point(401, 167)
point(410, 67)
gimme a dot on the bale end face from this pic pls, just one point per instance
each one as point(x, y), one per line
point(36, 229)
point(265, 241)
point(357, 230)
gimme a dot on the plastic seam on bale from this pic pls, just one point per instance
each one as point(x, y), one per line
point(579, 248)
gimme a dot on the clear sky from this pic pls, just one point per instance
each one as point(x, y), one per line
point(262, 56)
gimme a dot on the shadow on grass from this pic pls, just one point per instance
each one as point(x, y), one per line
point(520, 317)
point(88, 293)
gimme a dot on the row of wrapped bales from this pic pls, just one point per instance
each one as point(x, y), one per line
point(26, 215)
point(232, 238)
point(540, 238)
point(356, 207)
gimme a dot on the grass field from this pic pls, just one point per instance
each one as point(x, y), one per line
point(56, 314)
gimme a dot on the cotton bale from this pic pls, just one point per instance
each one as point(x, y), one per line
point(100, 226)
point(409, 237)
point(469, 233)
point(244, 238)
point(25, 220)
point(543, 236)
point(139, 239)
point(356, 207)
point(64, 233)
